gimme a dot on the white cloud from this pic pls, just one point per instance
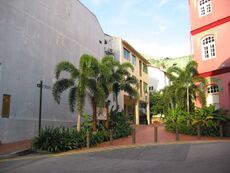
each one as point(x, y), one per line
point(161, 50)
point(162, 27)
point(162, 3)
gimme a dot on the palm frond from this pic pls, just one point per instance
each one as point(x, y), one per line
point(68, 67)
point(60, 86)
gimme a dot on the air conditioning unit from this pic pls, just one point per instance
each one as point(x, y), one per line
point(108, 51)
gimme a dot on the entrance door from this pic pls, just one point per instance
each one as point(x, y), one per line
point(6, 106)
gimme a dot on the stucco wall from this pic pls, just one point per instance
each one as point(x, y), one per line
point(34, 37)
point(220, 9)
point(157, 78)
point(222, 40)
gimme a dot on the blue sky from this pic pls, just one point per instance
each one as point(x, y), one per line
point(158, 28)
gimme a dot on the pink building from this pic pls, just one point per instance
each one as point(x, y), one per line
point(210, 38)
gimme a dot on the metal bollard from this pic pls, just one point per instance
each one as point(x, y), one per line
point(155, 133)
point(198, 131)
point(110, 137)
point(221, 131)
point(177, 134)
point(87, 139)
point(134, 135)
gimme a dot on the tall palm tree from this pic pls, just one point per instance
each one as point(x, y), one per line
point(187, 80)
point(124, 81)
point(100, 84)
point(76, 83)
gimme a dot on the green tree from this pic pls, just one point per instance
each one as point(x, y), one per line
point(76, 83)
point(186, 82)
point(156, 102)
point(122, 80)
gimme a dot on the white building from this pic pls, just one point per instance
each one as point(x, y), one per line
point(34, 36)
point(157, 78)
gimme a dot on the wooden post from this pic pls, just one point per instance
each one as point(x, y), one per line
point(87, 139)
point(111, 137)
point(177, 134)
point(198, 131)
point(134, 135)
point(221, 131)
point(155, 133)
point(107, 116)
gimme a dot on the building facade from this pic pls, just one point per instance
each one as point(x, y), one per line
point(158, 79)
point(34, 37)
point(210, 39)
point(124, 52)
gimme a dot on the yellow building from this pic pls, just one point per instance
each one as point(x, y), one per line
point(124, 52)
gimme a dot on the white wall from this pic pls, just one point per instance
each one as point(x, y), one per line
point(157, 78)
point(34, 37)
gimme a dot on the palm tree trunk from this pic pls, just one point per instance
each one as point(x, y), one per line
point(188, 107)
point(94, 117)
point(116, 99)
point(78, 122)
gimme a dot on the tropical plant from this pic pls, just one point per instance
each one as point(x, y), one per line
point(156, 102)
point(185, 82)
point(119, 123)
point(77, 83)
point(174, 117)
point(122, 80)
point(110, 76)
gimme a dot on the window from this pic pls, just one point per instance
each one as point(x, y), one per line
point(126, 54)
point(6, 106)
point(145, 68)
point(151, 88)
point(140, 68)
point(212, 89)
point(208, 47)
point(133, 60)
point(205, 7)
point(145, 87)
point(141, 88)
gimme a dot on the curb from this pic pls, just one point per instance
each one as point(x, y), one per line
point(13, 156)
point(16, 153)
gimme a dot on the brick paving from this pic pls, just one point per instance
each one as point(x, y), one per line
point(145, 135)
point(14, 147)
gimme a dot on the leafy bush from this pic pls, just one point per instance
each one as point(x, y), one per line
point(207, 118)
point(63, 139)
point(56, 139)
point(120, 123)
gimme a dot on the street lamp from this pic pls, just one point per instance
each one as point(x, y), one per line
point(41, 86)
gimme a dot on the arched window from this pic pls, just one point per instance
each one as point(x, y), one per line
point(205, 7)
point(211, 89)
point(208, 47)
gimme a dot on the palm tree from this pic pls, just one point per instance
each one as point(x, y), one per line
point(76, 83)
point(124, 81)
point(186, 81)
point(100, 83)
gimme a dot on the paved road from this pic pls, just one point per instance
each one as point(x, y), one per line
point(178, 158)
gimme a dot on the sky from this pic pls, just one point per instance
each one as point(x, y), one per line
point(159, 28)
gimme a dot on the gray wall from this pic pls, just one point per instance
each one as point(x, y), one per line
point(34, 36)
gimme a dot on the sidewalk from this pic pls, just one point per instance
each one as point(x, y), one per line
point(11, 148)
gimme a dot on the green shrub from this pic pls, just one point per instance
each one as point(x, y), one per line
point(56, 139)
point(120, 123)
point(63, 139)
point(207, 118)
